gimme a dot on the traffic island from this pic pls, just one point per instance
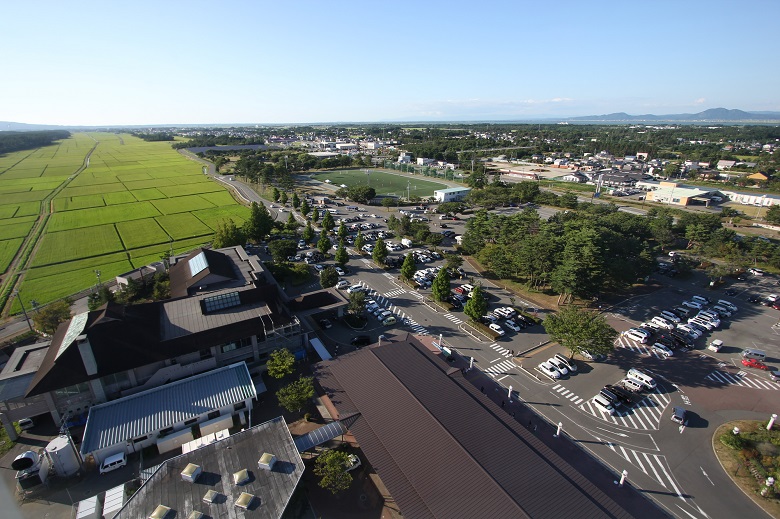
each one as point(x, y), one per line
point(750, 456)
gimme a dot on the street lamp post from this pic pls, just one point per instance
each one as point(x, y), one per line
point(24, 311)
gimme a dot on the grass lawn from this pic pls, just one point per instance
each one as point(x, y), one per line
point(383, 183)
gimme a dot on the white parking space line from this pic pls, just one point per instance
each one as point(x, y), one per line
point(568, 394)
point(500, 368)
point(740, 379)
point(453, 318)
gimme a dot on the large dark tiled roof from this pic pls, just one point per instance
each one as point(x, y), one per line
point(443, 449)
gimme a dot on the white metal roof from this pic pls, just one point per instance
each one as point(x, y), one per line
point(121, 420)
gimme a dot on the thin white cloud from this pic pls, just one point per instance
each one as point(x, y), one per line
point(699, 101)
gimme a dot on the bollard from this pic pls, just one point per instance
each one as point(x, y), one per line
point(623, 477)
point(509, 394)
point(735, 431)
point(771, 422)
point(558, 432)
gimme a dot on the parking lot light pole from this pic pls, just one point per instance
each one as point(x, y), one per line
point(558, 432)
point(771, 422)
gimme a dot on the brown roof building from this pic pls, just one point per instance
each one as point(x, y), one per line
point(445, 450)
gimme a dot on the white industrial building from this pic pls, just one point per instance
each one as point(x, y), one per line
point(452, 194)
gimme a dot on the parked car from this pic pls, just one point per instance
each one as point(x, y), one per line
point(325, 323)
point(340, 271)
point(693, 304)
point(549, 370)
point(512, 325)
point(569, 363)
point(663, 349)
point(496, 328)
point(560, 366)
point(753, 363)
point(343, 283)
point(755, 271)
point(680, 415)
point(355, 288)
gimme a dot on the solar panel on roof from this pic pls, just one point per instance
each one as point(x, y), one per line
point(319, 436)
point(197, 264)
point(221, 301)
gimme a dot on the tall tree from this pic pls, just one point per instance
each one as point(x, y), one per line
point(276, 194)
point(359, 241)
point(48, 318)
point(342, 232)
point(323, 245)
point(440, 289)
point(259, 224)
point(315, 215)
point(476, 306)
point(328, 277)
point(327, 222)
point(331, 467)
point(308, 232)
point(296, 201)
point(357, 303)
point(228, 235)
point(305, 208)
point(282, 249)
point(408, 268)
point(280, 363)
point(380, 252)
point(296, 395)
point(283, 198)
point(342, 256)
point(577, 329)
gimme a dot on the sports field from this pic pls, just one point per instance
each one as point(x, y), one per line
point(134, 202)
point(383, 183)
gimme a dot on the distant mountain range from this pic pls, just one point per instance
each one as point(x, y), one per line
point(711, 115)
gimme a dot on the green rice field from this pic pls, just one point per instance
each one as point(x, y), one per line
point(133, 202)
point(383, 183)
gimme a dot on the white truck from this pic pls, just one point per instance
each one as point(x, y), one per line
point(406, 242)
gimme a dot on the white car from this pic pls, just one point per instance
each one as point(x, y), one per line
point(549, 370)
point(662, 323)
point(662, 349)
point(570, 365)
point(637, 335)
point(701, 322)
point(340, 271)
point(496, 328)
point(319, 267)
point(692, 304)
point(722, 310)
point(560, 366)
point(756, 272)
point(355, 288)
point(512, 325)
point(342, 284)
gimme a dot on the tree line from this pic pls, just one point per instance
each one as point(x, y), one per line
point(18, 141)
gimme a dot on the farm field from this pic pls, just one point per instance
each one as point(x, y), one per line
point(133, 202)
point(383, 183)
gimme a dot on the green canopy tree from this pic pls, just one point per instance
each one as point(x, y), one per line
point(305, 208)
point(308, 232)
point(331, 467)
point(281, 363)
point(329, 277)
point(276, 194)
point(388, 202)
point(296, 395)
point(359, 241)
point(357, 303)
point(380, 252)
point(259, 224)
point(452, 261)
point(342, 232)
point(342, 256)
point(296, 201)
point(283, 198)
point(327, 222)
point(315, 215)
point(577, 329)
point(323, 245)
point(292, 224)
point(228, 235)
point(282, 249)
point(440, 288)
point(48, 318)
point(408, 268)
point(476, 306)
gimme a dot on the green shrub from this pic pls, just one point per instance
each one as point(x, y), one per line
point(734, 441)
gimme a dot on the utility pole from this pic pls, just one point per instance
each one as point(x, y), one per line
point(24, 311)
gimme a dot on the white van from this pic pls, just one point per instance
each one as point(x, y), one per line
point(645, 379)
point(701, 300)
point(662, 323)
point(603, 405)
point(113, 462)
point(636, 335)
point(632, 384)
point(728, 304)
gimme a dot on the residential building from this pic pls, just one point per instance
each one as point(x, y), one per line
point(452, 194)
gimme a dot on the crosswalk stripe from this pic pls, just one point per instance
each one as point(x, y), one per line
point(556, 386)
point(641, 466)
point(578, 402)
point(657, 477)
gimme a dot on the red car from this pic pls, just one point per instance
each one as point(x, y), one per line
point(753, 363)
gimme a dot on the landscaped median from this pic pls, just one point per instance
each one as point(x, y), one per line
point(750, 455)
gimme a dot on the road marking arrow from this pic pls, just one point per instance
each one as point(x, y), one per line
point(706, 476)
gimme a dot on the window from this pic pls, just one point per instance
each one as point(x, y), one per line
point(72, 390)
point(220, 302)
point(240, 405)
point(191, 421)
point(229, 347)
point(205, 354)
point(213, 414)
point(140, 438)
point(197, 264)
point(167, 430)
point(241, 343)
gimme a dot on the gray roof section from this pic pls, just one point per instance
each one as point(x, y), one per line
point(319, 436)
point(133, 416)
point(272, 489)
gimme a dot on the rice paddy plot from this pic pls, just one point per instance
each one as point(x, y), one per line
point(212, 217)
point(50, 288)
point(15, 229)
point(86, 263)
point(100, 215)
point(8, 249)
point(383, 183)
point(220, 198)
point(195, 188)
point(59, 247)
point(7, 211)
point(183, 225)
point(93, 189)
point(141, 233)
point(71, 203)
point(29, 196)
point(181, 204)
point(28, 209)
point(120, 197)
point(147, 255)
point(147, 194)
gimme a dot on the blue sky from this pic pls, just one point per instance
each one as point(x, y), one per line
point(141, 62)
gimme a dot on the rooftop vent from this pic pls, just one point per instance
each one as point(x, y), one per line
point(161, 512)
point(245, 500)
point(211, 497)
point(191, 472)
point(266, 461)
point(241, 477)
